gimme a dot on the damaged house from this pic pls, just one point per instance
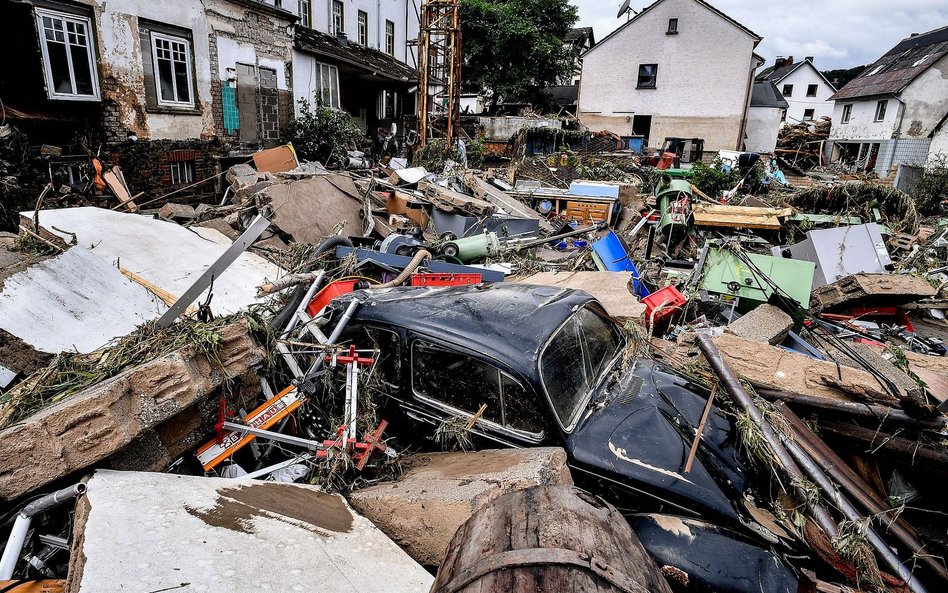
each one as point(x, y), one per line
point(805, 89)
point(885, 118)
point(680, 68)
point(164, 88)
point(355, 56)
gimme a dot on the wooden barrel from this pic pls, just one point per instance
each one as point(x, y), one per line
point(547, 539)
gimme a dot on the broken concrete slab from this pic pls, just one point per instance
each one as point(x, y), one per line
point(176, 212)
point(765, 323)
point(221, 226)
point(74, 302)
point(871, 289)
point(223, 535)
point(933, 370)
point(879, 363)
point(610, 288)
point(102, 419)
point(241, 175)
point(438, 492)
point(309, 209)
point(165, 254)
point(798, 373)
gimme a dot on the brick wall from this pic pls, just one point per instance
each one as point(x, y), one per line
point(147, 165)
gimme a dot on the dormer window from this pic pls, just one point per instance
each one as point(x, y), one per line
point(672, 27)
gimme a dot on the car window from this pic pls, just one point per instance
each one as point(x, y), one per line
point(465, 384)
point(386, 343)
point(574, 359)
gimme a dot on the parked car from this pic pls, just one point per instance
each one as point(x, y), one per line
point(545, 366)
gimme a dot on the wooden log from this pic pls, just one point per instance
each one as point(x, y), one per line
point(912, 453)
point(547, 539)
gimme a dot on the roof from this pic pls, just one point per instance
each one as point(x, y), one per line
point(371, 60)
point(766, 94)
point(756, 37)
point(778, 74)
point(261, 6)
point(894, 71)
point(579, 35)
point(506, 321)
point(566, 95)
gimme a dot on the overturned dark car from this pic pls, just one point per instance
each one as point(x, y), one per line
point(546, 366)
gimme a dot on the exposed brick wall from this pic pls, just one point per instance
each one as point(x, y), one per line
point(147, 165)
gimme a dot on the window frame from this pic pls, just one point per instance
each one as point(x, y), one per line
point(882, 106)
point(306, 17)
point(639, 84)
point(338, 26)
point(389, 37)
point(847, 113)
point(189, 56)
point(51, 91)
point(188, 167)
point(362, 23)
point(787, 90)
point(450, 409)
point(672, 27)
point(812, 113)
point(814, 87)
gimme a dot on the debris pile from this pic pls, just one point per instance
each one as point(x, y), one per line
point(800, 145)
point(390, 367)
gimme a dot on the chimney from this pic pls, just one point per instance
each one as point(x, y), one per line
point(778, 62)
point(788, 61)
point(914, 35)
point(342, 39)
point(809, 59)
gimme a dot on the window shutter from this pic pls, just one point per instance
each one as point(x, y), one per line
point(148, 69)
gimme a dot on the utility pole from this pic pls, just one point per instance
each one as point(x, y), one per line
point(439, 68)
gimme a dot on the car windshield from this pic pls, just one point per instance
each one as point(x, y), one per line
point(574, 359)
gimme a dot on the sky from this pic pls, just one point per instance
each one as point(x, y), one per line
point(837, 33)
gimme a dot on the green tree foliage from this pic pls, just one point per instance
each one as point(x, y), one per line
point(321, 134)
point(514, 48)
point(931, 189)
point(842, 76)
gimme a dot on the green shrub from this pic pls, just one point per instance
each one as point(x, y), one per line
point(931, 188)
point(323, 134)
point(433, 156)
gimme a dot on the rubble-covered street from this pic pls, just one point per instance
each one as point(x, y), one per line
point(248, 344)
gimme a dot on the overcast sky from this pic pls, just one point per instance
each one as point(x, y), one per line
point(837, 33)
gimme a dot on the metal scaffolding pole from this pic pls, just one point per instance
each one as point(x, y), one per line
point(439, 70)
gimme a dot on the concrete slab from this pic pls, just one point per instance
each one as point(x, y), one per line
point(438, 492)
point(169, 256)
point(309, 209)
point(147, 532)
point(74, 302)
point(766, 323)
point(610, 288)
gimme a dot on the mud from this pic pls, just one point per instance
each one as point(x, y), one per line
point(237, 507)
point(467, 464)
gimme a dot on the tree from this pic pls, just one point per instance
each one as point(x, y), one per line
point(514, 48)
point(842, 76)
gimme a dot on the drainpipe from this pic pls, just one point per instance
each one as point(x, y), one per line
point(11, 553)
point(896, 136)
point(747, 100)
point(378, 25)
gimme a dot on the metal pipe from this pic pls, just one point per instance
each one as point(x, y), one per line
point(744, 400)
point(334, 337)
point(905, 450)
point(11, 553)
point(857, 488)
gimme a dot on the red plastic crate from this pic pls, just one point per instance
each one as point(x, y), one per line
point(328, 293)
point(668, 299)
point(445, 279)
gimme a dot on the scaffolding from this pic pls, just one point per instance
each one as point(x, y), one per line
point(439, 67)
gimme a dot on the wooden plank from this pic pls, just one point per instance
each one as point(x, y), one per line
point(452, 201)
point(745, 217)
point(275, 160)
point(156, 290)
point(116, 182)
point(509, 204)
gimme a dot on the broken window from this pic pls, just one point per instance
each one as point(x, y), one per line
point(182, 172)
point(387, 347)
point(338, 17)
point(68, 59)
point(172, 68)
point(464, 384)
point(304, 7)
point(880, 109)
point(672, 26)
point(811, 90)
point(787, 90)
point(573, 361)
point(363, 27)
point(390, 38)
point(327, 85)
point(808, 114)
point(648, 76)
point(847, 113)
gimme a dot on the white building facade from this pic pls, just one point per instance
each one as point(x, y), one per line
point(805, 89)
point(680, 68)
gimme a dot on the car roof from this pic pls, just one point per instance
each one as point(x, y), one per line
point(507, 321)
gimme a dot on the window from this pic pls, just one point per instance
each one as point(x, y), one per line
point(388, 105)
point(172, 67)
point(305, 10)
point(672, 27)
point(880, 109)
point(390, 38)
point(327, 85)
point(388, 363)
point(363, 27)
point(648, 75)
point(808, 114)
point(573, 360)
point(68, 60)
point(338, 17)
point(463, 385)
point(847, 113)
point(182, 172)
point(811, 90)
point(787, 90)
